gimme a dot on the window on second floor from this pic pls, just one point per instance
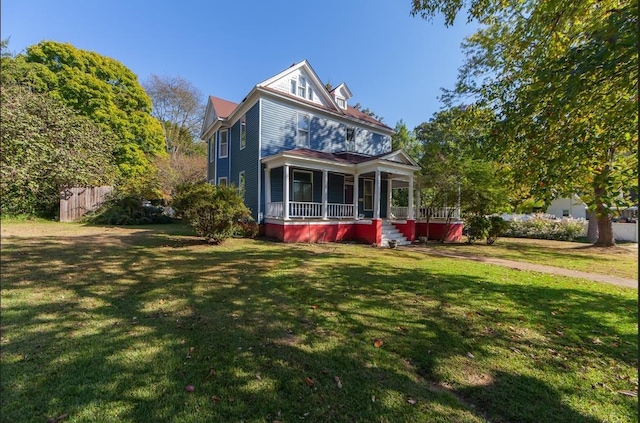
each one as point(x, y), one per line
point(302, 135)
point(243, 135)
point(224, 144)
point(350, 144)
point(341, 102)
point(212, 149)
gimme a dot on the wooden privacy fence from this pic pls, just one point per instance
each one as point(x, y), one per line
point(76, 201)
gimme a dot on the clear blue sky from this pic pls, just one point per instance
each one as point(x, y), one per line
point(394, 64)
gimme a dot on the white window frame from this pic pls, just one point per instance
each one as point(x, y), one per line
point(350, 145)
point(295, 172)
point(212, 148)
point(243, 135)
point(223, 178)
point(342, 103)
point(302, 87)
point(366, 194)
point(226, 153)
point(307, 141)
point(241, 183)
point(294, 86)
point(310, 92)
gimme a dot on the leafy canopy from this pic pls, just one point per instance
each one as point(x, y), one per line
point(46, 147)
point(561, 78)
point(99, 88)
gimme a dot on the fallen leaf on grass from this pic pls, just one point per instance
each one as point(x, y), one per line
point(212, 372)
point(412, 401)
point(378, 343)
point(314, 306)
point(308, 381)
point(629, 393)
point(338, 382)
point(470, 355)
point(215, 399)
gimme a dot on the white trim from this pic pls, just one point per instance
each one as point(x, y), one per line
point(243, 125)
point(260, 159)
point(220, 156)
point(308, 130)
point(226, 181)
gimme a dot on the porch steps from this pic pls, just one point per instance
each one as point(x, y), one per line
point(391, 232)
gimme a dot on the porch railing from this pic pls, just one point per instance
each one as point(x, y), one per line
point(423, 212)
point(310, 210)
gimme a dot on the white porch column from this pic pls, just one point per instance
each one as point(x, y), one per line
point(418, 203)
point(285, 192)
point(411, 214)
point(355, 196)
point(267, 190)
point(376, 196)
point(389, 196)
point(325, 192)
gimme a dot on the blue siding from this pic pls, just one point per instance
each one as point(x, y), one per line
point(211, 164)
point(279, 127)
point(247, 159)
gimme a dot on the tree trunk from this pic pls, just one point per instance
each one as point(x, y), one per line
point(605, 229)
point(592, 229)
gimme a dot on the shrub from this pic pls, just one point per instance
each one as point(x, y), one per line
point(215, 212)
point(476, 227)
point(126, 209)
point(497, 227)
point(542, 227)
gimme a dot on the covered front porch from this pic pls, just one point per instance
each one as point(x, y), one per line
point(311, 196)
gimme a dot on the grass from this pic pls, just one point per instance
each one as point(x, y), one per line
point(621, 261)
point(111, 324)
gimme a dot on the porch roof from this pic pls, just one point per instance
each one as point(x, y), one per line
point(395, 162)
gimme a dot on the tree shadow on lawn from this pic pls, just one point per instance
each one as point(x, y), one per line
point(267, 328)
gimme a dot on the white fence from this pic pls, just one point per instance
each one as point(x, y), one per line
point(625, 231)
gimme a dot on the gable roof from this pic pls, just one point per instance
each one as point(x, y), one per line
point(222, 107)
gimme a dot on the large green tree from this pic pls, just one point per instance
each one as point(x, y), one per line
point(561, 77)
point(45, 147)
point(102, 89)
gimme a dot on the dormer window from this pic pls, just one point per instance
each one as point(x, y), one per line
point(342, 103)
point(294, 86)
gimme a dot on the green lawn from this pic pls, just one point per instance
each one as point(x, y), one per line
point(621, 260)
point(111, 324)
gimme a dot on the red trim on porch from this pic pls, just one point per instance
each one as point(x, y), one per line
point(369, 232)
point(451, 232)
point(408, 229)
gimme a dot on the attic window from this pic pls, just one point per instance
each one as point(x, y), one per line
point(302, 87)
point(294, 86)
point(341, 102)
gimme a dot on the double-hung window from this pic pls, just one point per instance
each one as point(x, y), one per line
point(212, 148)
point(368, 194)
point(241, 184)
point(224, 144)
point(302, 136)
point(302, 87)
point(302, 186)
point(243, 135)
point(350, 144)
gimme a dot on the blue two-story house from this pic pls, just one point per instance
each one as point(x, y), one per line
point(310, 167)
